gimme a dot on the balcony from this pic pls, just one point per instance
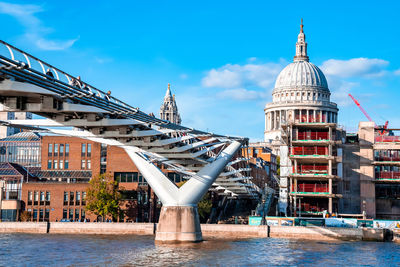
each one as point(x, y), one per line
point(313, 190)
point(313, 153)
point(388, 176)
point(387, 160)
point(387, 139)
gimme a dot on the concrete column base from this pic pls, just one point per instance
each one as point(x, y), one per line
point(178, 224)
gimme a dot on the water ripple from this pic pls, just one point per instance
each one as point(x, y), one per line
point(103, 250)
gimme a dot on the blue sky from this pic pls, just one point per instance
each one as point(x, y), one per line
point(221, 57)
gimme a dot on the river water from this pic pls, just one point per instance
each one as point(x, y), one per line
point(98, 250)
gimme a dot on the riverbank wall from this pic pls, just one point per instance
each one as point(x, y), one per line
point(210, 231)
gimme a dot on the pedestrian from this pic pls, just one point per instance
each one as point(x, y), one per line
point(76, 82)
point(49, 74)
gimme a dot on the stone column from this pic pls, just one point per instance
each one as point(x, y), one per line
point(308, 115)
point(315, 115)
point(272, 121)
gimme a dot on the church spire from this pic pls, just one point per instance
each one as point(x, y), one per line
point(301, 45)
point(168, 93)
point(169, 109)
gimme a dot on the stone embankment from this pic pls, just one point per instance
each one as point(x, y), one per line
point(210, 231)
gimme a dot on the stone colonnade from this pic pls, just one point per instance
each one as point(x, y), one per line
point(274, 118)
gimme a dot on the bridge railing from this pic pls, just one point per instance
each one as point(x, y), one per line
point(58, 74)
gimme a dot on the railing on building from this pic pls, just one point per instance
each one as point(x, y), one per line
point(310, 150)
point(384, 139)
point(387, 158)
point(312, 169)
point(312, 188)
point(387, 175)
point(311, 135)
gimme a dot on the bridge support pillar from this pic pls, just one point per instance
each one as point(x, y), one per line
point(178, 224)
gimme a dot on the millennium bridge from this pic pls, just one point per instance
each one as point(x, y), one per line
point(65, 103)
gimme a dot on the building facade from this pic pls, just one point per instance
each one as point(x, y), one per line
point(300, 123)
point(7, 115)
point(375, 164)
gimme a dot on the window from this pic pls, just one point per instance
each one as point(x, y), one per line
point(82, 214)
point(40, 215)
point(29, 197)
point(34, 215)
point(129, 177)
point(83, 164)
point(65, 212)
point(49, 163)
point(61, 164)
point(83, 198)
point(55, 164)
point(66, 150)
point(55, 150)
point(61, 150)
point(126, 177)
point(46, 215)
point(71, 214)
point(89, 150)
point(89, 164)
point(76, 214)
point(50, 150)
point(71, 198)
point(47, 198)
point(65, 198)
point(66, 165)
point(78, 198)
point(36, 198)
point(83, 153)
point(41, 198)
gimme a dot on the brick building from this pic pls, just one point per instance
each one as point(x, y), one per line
point(68, 163)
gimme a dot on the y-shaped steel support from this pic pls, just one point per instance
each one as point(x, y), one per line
point(179, 219)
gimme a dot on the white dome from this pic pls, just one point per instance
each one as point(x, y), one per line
point(301, 74)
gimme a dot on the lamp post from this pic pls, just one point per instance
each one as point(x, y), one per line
point(263, 213)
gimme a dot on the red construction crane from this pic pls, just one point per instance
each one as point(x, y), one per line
point(368, 117)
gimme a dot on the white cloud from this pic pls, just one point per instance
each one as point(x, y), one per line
point(397, 72)
point(35, 30)
point(233, 76)
point(241, 94)
point(340, 90)
point(355, 67)
point(183, 76)
point(225, 78)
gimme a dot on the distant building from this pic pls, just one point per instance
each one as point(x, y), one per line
point(7, 115)
point(372, 173)
point(22, 148)
point(169, 109)
point(261, 156)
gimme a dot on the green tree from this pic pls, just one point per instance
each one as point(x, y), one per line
point(278, 166)
point(103, 197)
point(204, 206)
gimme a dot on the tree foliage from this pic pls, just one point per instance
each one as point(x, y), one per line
point(103, 197)
point(204, 206)
point(25, 216)
point(278, 166)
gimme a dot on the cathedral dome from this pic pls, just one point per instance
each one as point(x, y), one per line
point(300, 74)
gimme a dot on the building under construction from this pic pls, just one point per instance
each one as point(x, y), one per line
point(313, 152)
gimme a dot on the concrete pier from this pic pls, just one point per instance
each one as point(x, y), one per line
point(178, 224)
